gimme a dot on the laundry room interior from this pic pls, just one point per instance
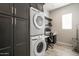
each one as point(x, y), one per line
point(39, 29)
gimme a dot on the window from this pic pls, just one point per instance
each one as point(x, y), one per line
point(67, 21)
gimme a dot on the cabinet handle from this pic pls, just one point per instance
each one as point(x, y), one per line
point(15, 21)
point(12, 10)
point(12, 20)
point(15, 11)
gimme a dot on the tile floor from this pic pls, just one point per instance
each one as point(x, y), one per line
point(61, 50)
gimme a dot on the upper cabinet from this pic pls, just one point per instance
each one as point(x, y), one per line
point(5, 8)
point(20, 37)
point(20, 10)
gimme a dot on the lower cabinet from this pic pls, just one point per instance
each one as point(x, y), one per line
point(20, 37)
point(13, 36)
point(6, 35)
point(20, 49)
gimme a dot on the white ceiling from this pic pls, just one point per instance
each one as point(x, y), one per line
point(52, 6)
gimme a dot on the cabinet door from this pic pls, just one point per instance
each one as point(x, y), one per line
point(20, 49)
point(20, 37)
point(5, 35)
point(5, 8)
point(20, 10)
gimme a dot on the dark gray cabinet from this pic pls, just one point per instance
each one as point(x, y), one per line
point(6, 35)
point(20, 49)
point(6, 8)
point(20, 10)
point(20, 36)
point(20, 30)
point(14, 28)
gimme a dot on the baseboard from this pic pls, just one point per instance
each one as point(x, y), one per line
point(66, 44)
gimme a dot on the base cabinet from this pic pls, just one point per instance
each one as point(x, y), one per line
point(6, 35)
point(20, 49)
point(20, 37)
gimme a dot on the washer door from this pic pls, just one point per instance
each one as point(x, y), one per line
point(40, 47)
point(39, 20)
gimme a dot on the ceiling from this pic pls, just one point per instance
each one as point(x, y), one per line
point(52, 6)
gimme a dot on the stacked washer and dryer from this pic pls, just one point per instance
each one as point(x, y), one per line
point(37, 39)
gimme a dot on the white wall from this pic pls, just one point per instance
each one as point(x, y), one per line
point(46, 11)
point(65, 36)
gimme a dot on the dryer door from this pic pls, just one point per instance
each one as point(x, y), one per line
point(39, 20)
point(40, 47)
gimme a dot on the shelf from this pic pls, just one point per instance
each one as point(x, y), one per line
point(49, 19)
point(48, 25)
point(47, 29)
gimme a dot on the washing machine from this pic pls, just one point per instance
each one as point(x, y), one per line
point(37, 22)
point(37, 46)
